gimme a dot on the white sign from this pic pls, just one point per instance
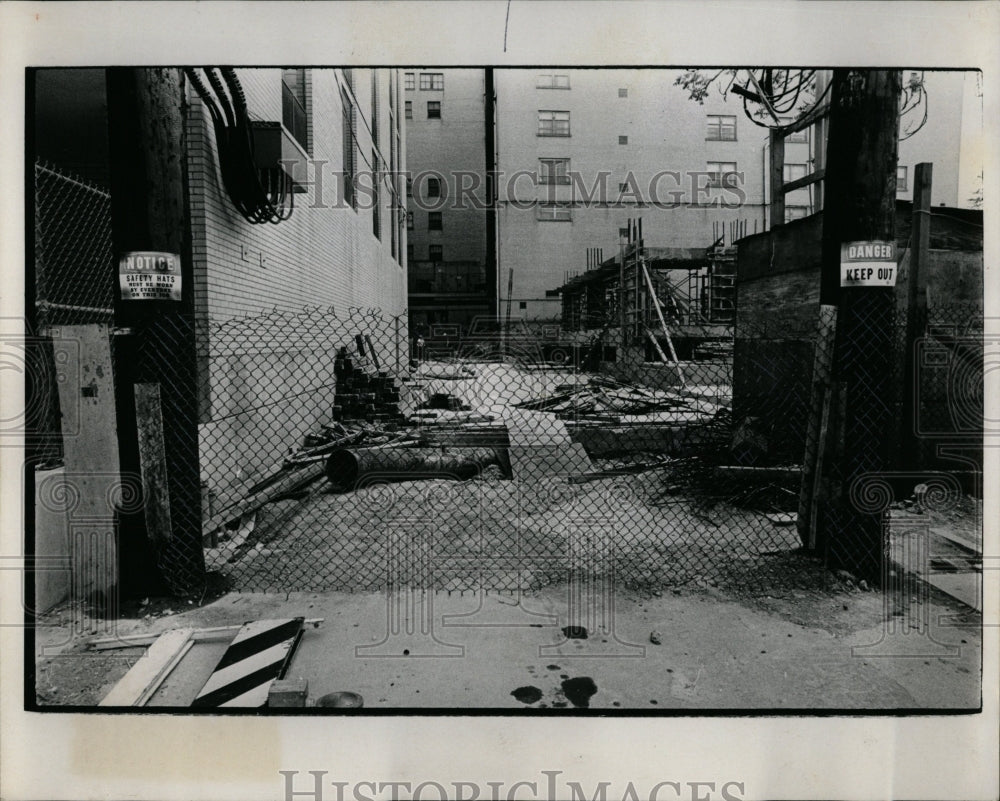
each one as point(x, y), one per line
point(868, 264)
point(150, 275)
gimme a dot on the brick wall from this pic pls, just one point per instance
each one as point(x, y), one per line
point(264, 385)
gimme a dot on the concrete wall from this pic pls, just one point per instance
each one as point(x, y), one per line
point(268, 379)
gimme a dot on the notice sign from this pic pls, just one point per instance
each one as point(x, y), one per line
point(868, 264)
point(150, 275)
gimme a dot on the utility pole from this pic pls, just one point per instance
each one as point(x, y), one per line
point(155, 352)
point(916, 311)
point(490, 122)
point(859, 207)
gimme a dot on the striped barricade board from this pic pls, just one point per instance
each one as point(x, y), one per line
point(259, 654)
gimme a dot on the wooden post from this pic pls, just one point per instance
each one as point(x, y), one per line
point(149, 209)
point(777, 182)
point(817, 425)
point(859, 206)
point(621, 290)
point(916, 311)
point(153, 465)
point(663, 323)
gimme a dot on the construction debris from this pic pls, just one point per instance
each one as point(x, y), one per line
point(601, 395)
point(340, 435)
point(446, 370)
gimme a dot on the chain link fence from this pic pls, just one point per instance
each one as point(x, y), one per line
point(74, 275)
point(74, 285)
point(338, 454)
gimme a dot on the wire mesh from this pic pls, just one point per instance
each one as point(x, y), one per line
point(74, 279)
point(322, 438)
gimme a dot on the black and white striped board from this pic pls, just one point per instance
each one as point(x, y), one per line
point(259, 653)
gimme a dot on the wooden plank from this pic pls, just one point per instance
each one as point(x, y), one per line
point(213, 634)
point(817, 423)
point(371, 350)
point(663, 323)
point(807, 120)
point(777, 179)
point(295, 480)
point(150, 691)
point(805, 180)
point(151, 669)
point(153, 464)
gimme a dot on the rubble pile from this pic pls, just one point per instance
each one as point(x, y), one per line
point(602, 396)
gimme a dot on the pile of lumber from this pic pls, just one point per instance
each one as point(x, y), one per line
point(343, 435)
point(606, 396)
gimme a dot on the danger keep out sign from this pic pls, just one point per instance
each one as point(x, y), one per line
point(868, 264)
point(150, 275)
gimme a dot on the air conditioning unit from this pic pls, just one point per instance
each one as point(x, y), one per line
point(274, 148)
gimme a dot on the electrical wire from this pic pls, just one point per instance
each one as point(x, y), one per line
point(261, 195)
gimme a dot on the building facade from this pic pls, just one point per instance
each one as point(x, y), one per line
point(243, 361)
point(341, 250)
point(447, 207)
point(580, 153)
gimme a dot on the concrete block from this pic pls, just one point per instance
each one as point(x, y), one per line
point(288, 693)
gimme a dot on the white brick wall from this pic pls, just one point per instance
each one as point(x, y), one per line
point(265, 386)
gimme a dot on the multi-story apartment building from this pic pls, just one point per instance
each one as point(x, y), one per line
point(581, 152)
point(447, 208)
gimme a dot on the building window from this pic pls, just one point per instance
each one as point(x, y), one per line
point(553, 123)
point(550, 81)
point(433, 109)
point(721, 128)
point(792, 172)
point(623, 140)
point(410, 251)
point(554, 212)
point(293, 105)
point(722, 173)
point(409, 221)
point(901, 185)
point(436, 253)
point(408, 80)
point(623, 92)
point(347, 145)
point(409, 110)
point(432, 80)
point(433, 187)
point(795, 212)
point(522, 305)
point(553, 171)
point(799, 137)
point(377, 199)
point(434, 221)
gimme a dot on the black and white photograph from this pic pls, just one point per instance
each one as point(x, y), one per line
point(449, 388)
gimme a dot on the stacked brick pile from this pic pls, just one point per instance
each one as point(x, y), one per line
point(363, 394)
